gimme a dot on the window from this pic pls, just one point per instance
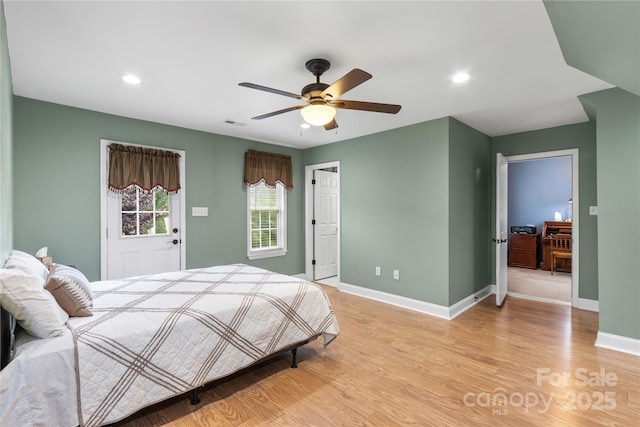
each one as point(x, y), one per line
point(266, 221)
point(144, 213)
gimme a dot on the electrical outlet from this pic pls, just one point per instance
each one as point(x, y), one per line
point(377, 271)
point(396, 274)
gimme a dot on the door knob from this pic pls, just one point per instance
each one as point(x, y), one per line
point(175, 230)
point(174, 241)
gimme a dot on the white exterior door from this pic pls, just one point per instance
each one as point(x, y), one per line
point(141, 233)
point(501, 228)
point(325, 232)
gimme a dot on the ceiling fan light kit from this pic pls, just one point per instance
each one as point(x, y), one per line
point(318, 115)
point(322, 99)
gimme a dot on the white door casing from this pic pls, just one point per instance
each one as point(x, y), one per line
point(309, 215)
point(325, 236)
point(126, 256)
point(501, 228)
point(576, 301)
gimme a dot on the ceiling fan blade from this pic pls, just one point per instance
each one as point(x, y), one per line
point(275, 113)
point(268, 89)
point(350, 80)
point(331, 125)
point(366, 106)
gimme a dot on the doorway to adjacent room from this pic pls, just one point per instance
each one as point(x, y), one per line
point(322, 223)
point(538, 283)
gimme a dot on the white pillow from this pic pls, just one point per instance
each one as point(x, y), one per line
point(23, 295)
point(27, 262)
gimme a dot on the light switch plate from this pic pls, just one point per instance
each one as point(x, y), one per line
point(199, 211)
point(593, 210)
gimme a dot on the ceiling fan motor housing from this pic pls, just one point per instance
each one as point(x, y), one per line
point(313, 92)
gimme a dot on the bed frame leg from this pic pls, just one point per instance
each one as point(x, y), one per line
point(294, 353)
point(194, 397)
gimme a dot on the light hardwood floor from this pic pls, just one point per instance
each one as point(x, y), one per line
point(392, 366)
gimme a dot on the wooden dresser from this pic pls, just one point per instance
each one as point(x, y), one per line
point(523, 250)
point(549, 228)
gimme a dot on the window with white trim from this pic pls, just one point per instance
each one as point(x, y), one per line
point(266, 221)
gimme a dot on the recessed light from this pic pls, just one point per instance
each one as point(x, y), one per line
point(305, 125)
point(131, 79)
point(460, 77)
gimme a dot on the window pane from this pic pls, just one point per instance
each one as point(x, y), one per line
point(274, 218)
point(264, 219)
point(146, 201)
point(161, 223)
point(129, 224)
point(264, 239)
point(129, 199)
point(274, 237)
point(146, 223)
point(162, 201)
point(255, 220)
point(255, 239)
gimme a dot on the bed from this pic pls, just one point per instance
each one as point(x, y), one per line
point(151, 338)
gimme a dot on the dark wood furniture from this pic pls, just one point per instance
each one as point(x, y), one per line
point(560, 249)
point(523, 250)
point(550, 228)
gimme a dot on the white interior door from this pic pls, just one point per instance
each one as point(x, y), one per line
point(325, 231)
point(143, 234)
point(501, 228)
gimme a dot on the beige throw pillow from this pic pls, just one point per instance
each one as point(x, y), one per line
point(71, 290)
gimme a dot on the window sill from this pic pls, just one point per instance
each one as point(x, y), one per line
point(270, 253)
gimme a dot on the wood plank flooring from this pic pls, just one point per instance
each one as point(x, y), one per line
point(525, 364)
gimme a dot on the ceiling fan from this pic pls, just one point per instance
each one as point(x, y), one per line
point(322, 99)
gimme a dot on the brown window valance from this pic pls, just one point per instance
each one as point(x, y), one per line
point(268, 167)
point(146, 168)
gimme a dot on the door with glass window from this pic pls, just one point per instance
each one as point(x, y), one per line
point(143, 234)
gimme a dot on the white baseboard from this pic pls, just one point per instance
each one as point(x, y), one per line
point(300, 276)
point(588, 304)
point(618, 343)
point(431, 309)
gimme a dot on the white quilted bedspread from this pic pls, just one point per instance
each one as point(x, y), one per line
point(159, 336)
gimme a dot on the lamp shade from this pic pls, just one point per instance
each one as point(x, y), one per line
point(318, 115)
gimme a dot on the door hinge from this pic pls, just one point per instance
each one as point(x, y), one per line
point(313, 222)
point(313, 182)
point(313, 262)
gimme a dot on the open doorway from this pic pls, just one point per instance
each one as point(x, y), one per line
point(540, 203)
point(322, 223)
point(539, 206)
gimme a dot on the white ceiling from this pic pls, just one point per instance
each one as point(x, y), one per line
point(192, 55)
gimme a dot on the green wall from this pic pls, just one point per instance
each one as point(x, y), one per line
point(469, 211)
point(56, 175)
point(583, 137)
point(618, 155)
point(394, 203)
point(6, 142)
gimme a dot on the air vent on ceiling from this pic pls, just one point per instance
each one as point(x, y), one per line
point(233, 122)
